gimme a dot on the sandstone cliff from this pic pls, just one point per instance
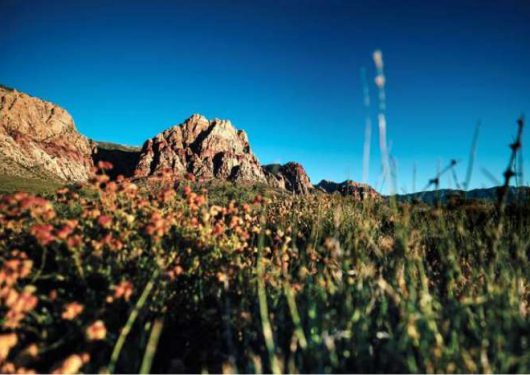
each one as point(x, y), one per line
point(40, 139)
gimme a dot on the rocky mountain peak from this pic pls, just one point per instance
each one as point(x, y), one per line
point(207, 149)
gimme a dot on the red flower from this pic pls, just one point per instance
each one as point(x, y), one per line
point(105, 165)
point(43, 233)
point(104, 221)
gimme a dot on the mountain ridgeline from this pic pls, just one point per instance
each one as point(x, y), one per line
point(39, 140)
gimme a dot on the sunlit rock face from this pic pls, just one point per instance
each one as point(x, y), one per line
point(207, 149)
point(39, 138)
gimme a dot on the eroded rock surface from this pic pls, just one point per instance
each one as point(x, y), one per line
point(206, 149)
point(290, 176)
point(40, 138)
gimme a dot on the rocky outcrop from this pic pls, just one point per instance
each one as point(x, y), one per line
point(290, 176)
point(349, 188)
point(39, 137)
point(206, 149)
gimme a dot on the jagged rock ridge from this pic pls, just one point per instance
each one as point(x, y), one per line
point(39, 138)
point(290, 176)
point(206, 149)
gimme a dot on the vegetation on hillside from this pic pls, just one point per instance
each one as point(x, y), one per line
point(116, 278)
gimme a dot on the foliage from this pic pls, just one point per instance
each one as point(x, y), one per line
point(117, 278)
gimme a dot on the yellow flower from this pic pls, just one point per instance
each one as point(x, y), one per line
point(72, 364)
point(7, 341)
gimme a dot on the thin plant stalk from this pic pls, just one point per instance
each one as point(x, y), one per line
point(381, 118)
point(264, 313)
point(130, 322)
point(299, 331)
point(367, 127)
point(152, 344)
point(472, 155)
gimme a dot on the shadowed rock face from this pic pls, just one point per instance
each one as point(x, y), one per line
point(290, 176)
point(206, 149)
point(350, 188)
point(40, 137)
point(124, 159)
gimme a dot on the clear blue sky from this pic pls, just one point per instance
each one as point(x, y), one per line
point(285, 71)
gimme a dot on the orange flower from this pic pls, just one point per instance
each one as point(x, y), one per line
point(187, 190)
point(7, 341)
point(64, 232)
point(72, 364)
point(218, 229)
point(123, 290)
point(175, 272)
point(72, 311)
point(96, 331)
point(19, 305)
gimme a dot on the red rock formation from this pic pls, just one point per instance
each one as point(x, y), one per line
point(290, 176)
point(40, 138)
point(206, 149)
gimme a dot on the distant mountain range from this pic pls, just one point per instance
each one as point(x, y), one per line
point(488, 194)
point(39, 140)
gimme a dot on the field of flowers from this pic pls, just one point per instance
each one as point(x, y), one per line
point(112, 278)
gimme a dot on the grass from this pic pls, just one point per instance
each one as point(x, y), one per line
point(9, 184)
point(124, 279)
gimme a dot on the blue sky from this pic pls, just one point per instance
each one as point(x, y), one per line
point(288, 72)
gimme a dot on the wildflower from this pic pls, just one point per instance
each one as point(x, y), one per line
point(19, 305)
point(105, 165)
point(175, 272)
point(72, 310)
point(218, 229)
point(64, 232)
point(167, 195)
point(123, 290)
point(104, 221)
point(187, 190)
point(222, 277)
point(42, 232)
point(96, 331)
point(72, 364)
point(7, 342)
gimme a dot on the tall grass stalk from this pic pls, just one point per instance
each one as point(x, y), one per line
point(367, 127)
point(264, 312)
point(472, 155)
point(130, 322)
point(152, 343)
point(381, 119)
